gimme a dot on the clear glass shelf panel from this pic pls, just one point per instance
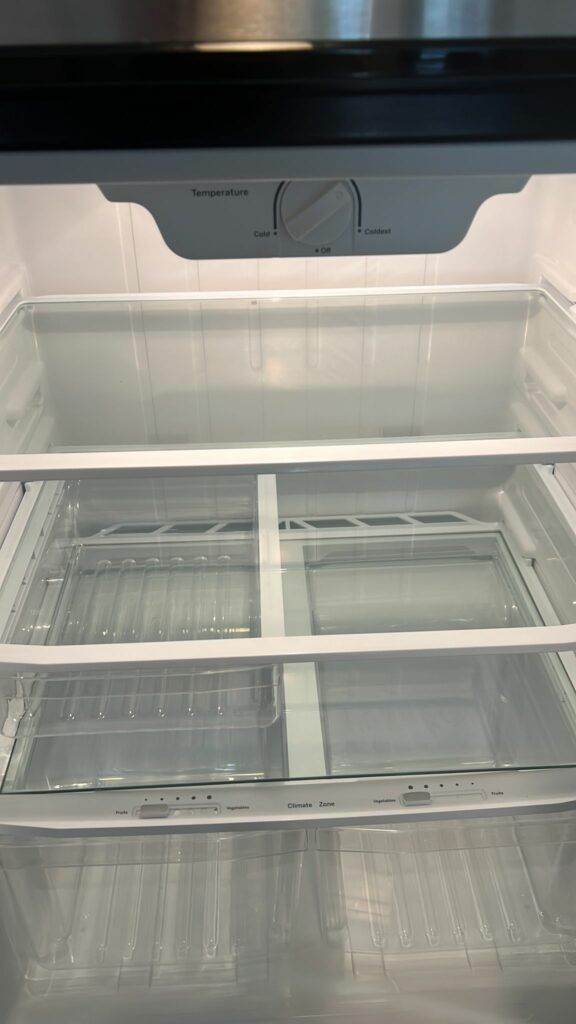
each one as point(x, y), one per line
point(278, 370)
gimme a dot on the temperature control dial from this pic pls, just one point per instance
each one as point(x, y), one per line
point(316, 212)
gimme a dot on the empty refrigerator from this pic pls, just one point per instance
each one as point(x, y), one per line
point(287, 514)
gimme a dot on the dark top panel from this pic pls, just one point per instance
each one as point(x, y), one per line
point(182, 22)
point(79, 75)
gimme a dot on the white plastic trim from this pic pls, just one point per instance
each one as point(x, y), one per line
point(270, 561)
point(283, 804)
point(278, 293)
point(302, 720)
point(411, 454)
point(264, 650)
point(302, 714)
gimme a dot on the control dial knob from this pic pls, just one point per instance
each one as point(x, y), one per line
point(316, 212)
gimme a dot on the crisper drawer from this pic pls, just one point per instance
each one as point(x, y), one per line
point(299, 923)
point(94, 730)
point(443, 904)
point(86, 379)
point(202, 913)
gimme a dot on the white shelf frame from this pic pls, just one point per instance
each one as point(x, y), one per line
point(280, 293)
point(305, 735)
point(268, 460)
point(269, 559)
point(291, 650)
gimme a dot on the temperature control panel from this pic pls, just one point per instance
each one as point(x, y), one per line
point(257, 805)
point(314, 217)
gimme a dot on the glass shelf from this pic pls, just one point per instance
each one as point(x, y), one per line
point(272, 369)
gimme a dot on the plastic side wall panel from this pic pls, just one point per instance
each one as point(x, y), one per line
point(554, 242)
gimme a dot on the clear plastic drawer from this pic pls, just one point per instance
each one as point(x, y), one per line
point(433, 905)
point(196, 912)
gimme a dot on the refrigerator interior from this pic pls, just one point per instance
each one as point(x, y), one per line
point(444, 922)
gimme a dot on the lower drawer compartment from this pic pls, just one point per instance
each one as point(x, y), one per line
point(327, 919)
point(204, 911)
point(415, 905)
